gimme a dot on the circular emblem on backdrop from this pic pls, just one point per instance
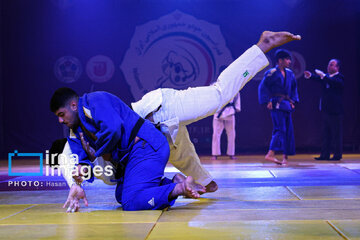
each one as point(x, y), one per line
point(176, 51)
point(298, 65)
point(100, 68)
point(67, 69)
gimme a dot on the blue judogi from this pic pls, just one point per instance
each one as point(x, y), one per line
point(107, 123)
point(280, 91)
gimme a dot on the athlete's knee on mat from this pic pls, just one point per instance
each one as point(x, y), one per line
point(131, 207)
point(135, 202)
point(128, 202)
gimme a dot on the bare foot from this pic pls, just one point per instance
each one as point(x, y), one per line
point(214, 158)
point(211, 187)
point(188, 188)
point(271, 158)
point(178, 178)
point(269, 40)
point(191, 186)
point(284, 161)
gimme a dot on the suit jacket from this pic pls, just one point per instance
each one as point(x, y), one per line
point(331, 101)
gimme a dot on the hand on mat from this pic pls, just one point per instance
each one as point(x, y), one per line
point(75, 195)
point(86, 146)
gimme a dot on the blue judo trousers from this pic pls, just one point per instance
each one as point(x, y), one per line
point(107, 123)
point(280, 91)
point(282, 138)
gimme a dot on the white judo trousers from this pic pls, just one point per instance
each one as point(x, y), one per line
point(218, 127)
point(193, 104)
point(225, 119)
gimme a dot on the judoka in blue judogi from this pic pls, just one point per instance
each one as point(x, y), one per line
point(113, 129)
point(278, 91)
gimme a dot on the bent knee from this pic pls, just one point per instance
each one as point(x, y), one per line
point(133, 202)
point(130, 207)
point(133, 205)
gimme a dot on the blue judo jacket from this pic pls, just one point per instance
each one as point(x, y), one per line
point(274, 86)
point(109, 121)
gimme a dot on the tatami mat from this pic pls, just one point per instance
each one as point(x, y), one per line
point(256, 200)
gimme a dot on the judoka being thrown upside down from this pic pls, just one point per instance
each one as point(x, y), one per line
point(104, 130)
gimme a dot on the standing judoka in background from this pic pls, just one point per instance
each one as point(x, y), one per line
point(119, 134)
point(331, 107)
point(278, 91)
point(225, 118)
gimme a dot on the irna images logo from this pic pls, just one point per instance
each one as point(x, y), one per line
point(17, 154)
point(66, 166)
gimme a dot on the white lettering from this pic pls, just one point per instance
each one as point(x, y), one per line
point(53, 155)
point(98, 171)
point(85, 172)
point(62, 159)
point(74, 159)
point(53, 168)
point(109, 171)
point(47, 157)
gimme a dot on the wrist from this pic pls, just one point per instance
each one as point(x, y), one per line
point(75, 183)
point(77, 180)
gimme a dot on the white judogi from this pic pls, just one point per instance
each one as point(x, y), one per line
point(174, 109)
point(182, 107)
point(225, 118)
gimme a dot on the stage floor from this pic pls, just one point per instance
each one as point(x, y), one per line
point(256, 200)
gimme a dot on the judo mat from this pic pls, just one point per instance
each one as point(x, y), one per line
point(306, 199)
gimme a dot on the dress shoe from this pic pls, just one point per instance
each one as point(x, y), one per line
point(335, 159)
point(322, 159)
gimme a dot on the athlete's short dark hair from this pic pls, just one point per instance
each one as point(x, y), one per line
point(61, 97)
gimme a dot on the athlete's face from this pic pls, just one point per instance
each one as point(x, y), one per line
point(68, 115)
point(284, 62)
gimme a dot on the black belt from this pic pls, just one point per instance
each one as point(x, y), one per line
point(282, 97)
point(135, 130)
point(231, 104)
point(120, 166)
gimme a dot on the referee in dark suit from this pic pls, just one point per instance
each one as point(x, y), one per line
point(331, 106)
